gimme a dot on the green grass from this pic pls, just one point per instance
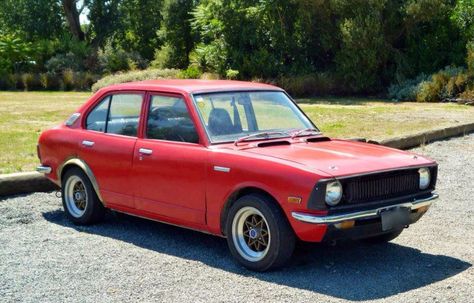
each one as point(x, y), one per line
point(23, 115)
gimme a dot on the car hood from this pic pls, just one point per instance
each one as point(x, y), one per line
point(341, 157)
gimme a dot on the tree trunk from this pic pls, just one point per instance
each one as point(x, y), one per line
point(72, 17)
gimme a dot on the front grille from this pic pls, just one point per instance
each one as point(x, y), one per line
point(381, 186)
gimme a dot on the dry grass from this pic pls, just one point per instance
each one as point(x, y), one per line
point(351, 118)
point(23, 115)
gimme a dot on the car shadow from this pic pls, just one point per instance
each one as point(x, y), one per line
point(349, 271)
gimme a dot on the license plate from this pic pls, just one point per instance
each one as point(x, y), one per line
point(395, 218)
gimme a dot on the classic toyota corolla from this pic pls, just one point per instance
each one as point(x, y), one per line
point(235, 159)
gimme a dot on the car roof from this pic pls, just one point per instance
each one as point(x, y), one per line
point(191, 86)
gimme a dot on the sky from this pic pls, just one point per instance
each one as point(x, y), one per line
point(83, 17)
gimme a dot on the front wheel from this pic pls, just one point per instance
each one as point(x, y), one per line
point(80, 201)
point(258, 233)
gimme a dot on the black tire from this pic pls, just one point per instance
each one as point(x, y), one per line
point(280, 236)
point(93, 211)
point(383, 238)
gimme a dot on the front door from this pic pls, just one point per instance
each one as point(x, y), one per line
point(169, 164)
point(107, 145)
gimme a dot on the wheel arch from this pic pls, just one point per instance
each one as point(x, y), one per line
point(76, 162)
point(247, 190)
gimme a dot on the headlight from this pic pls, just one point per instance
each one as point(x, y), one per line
point(333, 193)
point(425, 177)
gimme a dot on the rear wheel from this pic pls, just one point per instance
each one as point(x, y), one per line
point(258, 234)
point(383, 238)
point(80, 201)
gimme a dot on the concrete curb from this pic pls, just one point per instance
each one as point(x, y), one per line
point(21, 183)
point(415, 140)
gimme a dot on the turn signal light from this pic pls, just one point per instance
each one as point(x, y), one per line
point(345, 224)
point(294, 200)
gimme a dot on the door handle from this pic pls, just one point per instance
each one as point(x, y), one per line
point(88, 143)
point(145, 151)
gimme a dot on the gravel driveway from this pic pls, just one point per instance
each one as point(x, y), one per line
point(44, 258)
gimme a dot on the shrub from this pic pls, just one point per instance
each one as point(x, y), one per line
point(447, 83)
point(31, 81)
point(84, 81)
point(62, 62)
point(148, 74)
point(50, 81)
point(210, 76)
point(115, 59)
point(162, 57)
point(6, 81)
point(192, 72)
point(310, 85)
point(468, 94)
point(406, 90)
point(68, 80)
point(231, 74)
point(470, 58)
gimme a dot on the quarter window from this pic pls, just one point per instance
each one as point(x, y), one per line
point(97, 117)
point(169, 119)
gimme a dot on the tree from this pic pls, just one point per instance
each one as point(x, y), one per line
point(176, 33)
point(72, 16)
point(140, 21)
point(31, 19)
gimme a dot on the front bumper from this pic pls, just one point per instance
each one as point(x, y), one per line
point(44, 169)
point(361, 215)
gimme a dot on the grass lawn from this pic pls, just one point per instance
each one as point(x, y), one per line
point(23, 115)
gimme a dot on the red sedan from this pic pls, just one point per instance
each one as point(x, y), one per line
point(235, 159)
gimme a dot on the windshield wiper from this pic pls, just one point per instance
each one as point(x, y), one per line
point(264, 135)
point(304, 130)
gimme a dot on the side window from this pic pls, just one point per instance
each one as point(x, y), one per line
point(168, 119)
point(124, 114)
point(97, 117)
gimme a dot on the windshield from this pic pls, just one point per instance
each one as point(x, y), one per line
point(229, 116)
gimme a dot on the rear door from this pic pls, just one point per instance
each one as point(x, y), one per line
point(169, 163)
point(107, 145)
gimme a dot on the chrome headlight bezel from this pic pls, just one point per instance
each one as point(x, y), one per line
point(333, 193)
point(425, 177)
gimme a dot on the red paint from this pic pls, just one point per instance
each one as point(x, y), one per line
point(177, 183)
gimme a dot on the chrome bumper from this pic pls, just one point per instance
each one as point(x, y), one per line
point(43, 169)
point(366, 214)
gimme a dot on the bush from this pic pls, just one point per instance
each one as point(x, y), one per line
point(162, 57)
point(6, 82)
point(148, 74)
point(61, 62)
point(447, 83)
point(470, 58)
point(68, 80)
point(231, 74)
point(192, 72)
point(406, 90)
point(31, 81)
point(210, 76)
point(115, 59)
point(310, 85)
